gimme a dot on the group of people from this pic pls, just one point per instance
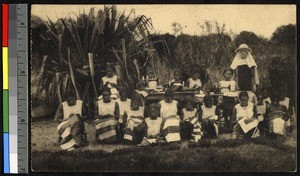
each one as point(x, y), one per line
point(120, 119)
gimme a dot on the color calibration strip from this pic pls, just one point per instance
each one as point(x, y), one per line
point(15, 87)
point(5, 88)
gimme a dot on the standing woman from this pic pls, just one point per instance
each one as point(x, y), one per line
point(245, 69)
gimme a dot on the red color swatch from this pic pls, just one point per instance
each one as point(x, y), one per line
point(4, 25)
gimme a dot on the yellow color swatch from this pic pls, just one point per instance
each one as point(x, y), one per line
point(5, 67)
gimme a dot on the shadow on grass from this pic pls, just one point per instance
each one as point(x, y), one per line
point(208, 155)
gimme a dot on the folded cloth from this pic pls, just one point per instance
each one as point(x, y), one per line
point(106, 129)
point(171, 129)
point(71, 132)
point(134, 126)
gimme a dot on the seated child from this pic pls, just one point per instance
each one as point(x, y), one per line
point(176, 84)
point(106, 115)
point(285, 101)
point(194, 82)
point(191, 127)
point(153, 127)
point(228, 103)
point(71, 129)
point(261, 107)
point(169, 113)
point(208, 114)
point(277, 116)
point(111, 81)
point(244, 116)
point(124, 104)
point(227, 85)
point(266, 96)
point(135, 122)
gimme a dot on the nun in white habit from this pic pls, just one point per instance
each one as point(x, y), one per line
point(245, 69)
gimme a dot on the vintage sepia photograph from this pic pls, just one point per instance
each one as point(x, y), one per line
point(163, 88)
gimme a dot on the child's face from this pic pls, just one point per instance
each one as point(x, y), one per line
point(189, 106)
point(275, 101)
point(243, 54)
point(71, 100)
point(109, 73)
point(265, 93)
point(177, 76)
point(106, 96)
point(227, 75)
point(123, 96)
point(135, 106)
point(196, 76)
point(244, 101)
point(153, 112)
point(169, 99)
point(260, 99)
point(208, 103)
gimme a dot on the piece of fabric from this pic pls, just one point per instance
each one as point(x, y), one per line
point(188, 114)
point(237, 61)
point(135, 127)
point(153, 126)
point(106, 129)
point(244, 112)
point(71, 132)
point(113, 79)
point(208, 112)
point(192, 82)
point(124, 106)
point(168, 109)
point(75, 109)
point(197, 128)
point(171, 129)
point(106, 108)
point(277, 126)
point(227, 86)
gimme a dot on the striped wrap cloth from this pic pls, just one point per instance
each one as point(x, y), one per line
point(197, 128)
point(71, 132)
point(106, 129)
point(171, 129)
point(134, 125)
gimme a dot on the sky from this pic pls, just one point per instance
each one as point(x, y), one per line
point(260, 19)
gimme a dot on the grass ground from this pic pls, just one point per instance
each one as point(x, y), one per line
point(223, 154)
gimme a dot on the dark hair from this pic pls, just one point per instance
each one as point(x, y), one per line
point(136, 98)
point(227, 69)
point(190, 99)
point(207, 97)
point(275, 95)
point(243, 94)
point(123, 90)
point(106, 89)
point(169, 93)
point(153, 105)
point(70, 93)
point(259, 93)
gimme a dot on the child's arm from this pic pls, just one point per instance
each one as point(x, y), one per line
point(187, 84)
point(59, 114)
point(200, 113)
point(233, 117)
point(96, 110)
point(117, 111)
point(182, 115)
point(255, 111)
point(178, 107)
point(236, 86)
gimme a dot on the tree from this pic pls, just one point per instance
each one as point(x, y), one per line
point(285, 35)
point(249, 38)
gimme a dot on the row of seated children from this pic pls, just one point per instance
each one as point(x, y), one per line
point(123, 119)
